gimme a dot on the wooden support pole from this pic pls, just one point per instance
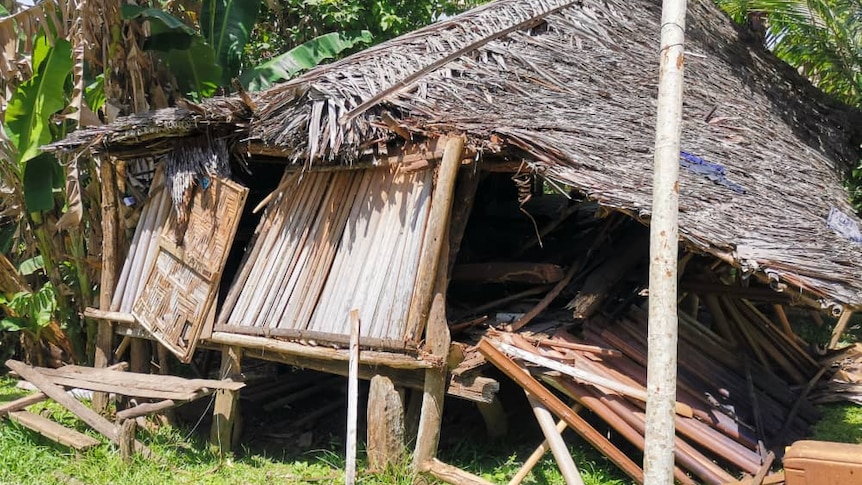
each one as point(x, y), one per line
point(110, 244)
point(494, 416)
point(428, 306)
point(127, 440)
point(839, 328)
point(434, 390)
point(310, 352)
point(553, 403)
point(558, 447)
point(435, 237)
point(664, 252)
point(352, 398)
point(534, 457)
point(226, 409)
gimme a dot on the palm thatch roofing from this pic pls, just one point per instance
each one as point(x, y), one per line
point(570, 87)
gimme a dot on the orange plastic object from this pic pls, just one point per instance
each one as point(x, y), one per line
point(823, 463)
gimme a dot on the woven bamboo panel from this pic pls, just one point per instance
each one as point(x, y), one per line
point(334, 241)
point(182, 283)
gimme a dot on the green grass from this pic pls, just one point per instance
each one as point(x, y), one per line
point(184, 458)
point(841, 422)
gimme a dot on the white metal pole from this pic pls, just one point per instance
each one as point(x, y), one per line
point(664, 231)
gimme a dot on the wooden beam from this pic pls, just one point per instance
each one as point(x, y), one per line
point(553, 403)
point(108, 316)
point(84, 413)
point(548, 299)
point(409, 153)
point(585, 376)
point(368, 357)
point(508, 272)
point(494, 416)
point(53, 431)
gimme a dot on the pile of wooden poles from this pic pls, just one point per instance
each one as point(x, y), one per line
point(739, 402)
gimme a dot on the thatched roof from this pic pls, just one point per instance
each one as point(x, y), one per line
point(570, 86)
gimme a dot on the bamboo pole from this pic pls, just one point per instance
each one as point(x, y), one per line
point(535, 456)
point(558, 447)
point(553, 403)
point(352, 398)
point(664, 249)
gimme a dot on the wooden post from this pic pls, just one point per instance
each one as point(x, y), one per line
point(110, 239)
point(435, 236)
point(664, 252)
point(432, 281)
point(494, 416)
point(558, 447)
point(127, 439)
point(226, 409)
point(385, 414)
point(352, 398)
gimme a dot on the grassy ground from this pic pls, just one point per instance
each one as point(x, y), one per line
point(27, 458)
point(184, 458)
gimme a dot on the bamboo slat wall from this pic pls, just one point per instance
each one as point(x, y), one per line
point(334, 241)
point(181, 286)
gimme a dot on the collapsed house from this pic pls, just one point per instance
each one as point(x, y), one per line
point(475, 165)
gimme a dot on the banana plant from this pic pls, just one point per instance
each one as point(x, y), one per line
point(206, 61)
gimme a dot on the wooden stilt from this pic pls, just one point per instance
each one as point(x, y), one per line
point(226, 407)
point(496, 423)
point(140, 356)
point(428, 307)
point(385, 446)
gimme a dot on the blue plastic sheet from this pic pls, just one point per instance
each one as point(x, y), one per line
point(712, 171)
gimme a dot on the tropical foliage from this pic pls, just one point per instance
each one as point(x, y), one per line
point(821, 38)
point(67, 64)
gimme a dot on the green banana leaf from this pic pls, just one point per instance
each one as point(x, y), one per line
point(28, 114)
point(42, 175)
point(186, 54)
point(300, 58)
point(227, 25)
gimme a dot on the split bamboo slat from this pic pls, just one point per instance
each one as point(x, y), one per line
point(154, 215)
point(329, 242)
